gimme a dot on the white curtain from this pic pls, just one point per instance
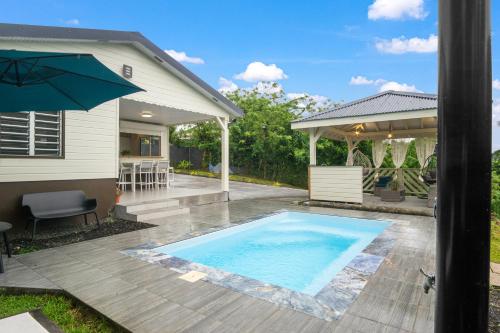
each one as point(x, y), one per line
point(351, 145)
point(379, 149)
point(399, 149)
point(424, 148)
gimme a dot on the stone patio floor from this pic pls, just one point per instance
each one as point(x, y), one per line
point(148, 298)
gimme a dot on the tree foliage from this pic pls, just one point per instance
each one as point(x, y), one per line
point(262, 143)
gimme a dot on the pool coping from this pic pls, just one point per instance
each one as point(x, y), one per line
point(330, 303)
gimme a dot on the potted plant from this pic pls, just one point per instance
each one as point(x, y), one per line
point(393, 192)
point(118, 194)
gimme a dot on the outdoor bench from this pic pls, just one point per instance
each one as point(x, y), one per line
point(56, 205)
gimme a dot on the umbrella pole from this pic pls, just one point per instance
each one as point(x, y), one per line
point(464, 166)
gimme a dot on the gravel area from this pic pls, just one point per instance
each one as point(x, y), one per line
point(63, 234)
point(494, 322)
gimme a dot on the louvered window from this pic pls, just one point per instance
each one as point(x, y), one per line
point(31, 134)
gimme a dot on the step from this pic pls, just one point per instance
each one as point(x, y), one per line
point(151, 214)
point(136, 207)
point(144, 216)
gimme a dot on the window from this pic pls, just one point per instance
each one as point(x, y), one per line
point(150, 145)
point(31, 134)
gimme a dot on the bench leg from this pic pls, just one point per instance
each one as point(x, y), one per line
point(7, 246)
point(35, 221)
point(97, 220)
point(85, 218)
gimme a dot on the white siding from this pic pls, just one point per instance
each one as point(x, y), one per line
point(89, 147)
point(92, 138)
point(343, 184)
point(162, 87)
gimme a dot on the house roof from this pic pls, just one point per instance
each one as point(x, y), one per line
point(385, 102)
point(22, 31)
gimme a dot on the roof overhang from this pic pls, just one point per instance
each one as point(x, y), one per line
point(407, 124)
point(23, 32)
point(383, 117)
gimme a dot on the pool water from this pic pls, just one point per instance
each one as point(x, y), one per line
point(298, 251)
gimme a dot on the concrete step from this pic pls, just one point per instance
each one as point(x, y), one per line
point(136, 207)
point(152, 214)
point(149, 214)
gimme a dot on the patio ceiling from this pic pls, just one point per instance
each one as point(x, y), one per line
point(160, 115)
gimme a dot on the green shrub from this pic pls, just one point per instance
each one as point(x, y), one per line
point(184, 165)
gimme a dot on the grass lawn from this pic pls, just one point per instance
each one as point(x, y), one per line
point(64, 312)
point(236, 178)
point(495, 240)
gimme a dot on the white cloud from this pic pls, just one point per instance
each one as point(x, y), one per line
point(396, 9)
point(318, 100)
point(183, 57)
point(268, 88)
point(258, 71)
point(74, 21)
point(383, 85)
point(296, 95)
point(360, 81)
point(393, 85)
point(227, 86)
point(404, 45)
point(496, 84)
point(496, 109)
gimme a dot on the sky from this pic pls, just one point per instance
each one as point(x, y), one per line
point(336, 49)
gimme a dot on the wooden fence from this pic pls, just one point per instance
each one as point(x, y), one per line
point(413, 184)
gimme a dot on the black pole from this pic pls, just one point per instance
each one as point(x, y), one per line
point(464, 162)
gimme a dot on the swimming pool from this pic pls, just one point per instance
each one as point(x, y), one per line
point(298, 251)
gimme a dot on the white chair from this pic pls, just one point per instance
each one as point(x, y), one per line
point(145, 172)
point(125, 176)
point(162, 169)
point(170, 177)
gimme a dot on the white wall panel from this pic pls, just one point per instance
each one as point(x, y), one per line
point(343, 184)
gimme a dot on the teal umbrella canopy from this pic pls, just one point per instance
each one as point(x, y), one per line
point(46, 81)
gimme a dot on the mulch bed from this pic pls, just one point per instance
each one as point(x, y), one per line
point(494, 322)
point(22, 243)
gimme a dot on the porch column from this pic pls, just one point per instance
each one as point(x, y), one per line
point(223, 124)
point(314, 135)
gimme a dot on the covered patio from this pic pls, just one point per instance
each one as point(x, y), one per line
point(144, 136)
point(387, 119)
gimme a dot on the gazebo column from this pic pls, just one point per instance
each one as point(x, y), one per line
point(223, 124)
point(314, 135)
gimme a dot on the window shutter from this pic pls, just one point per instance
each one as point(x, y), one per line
point(15, 133)
point(31, 134)
point(47, 134)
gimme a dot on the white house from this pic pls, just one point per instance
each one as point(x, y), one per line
point(81, 150)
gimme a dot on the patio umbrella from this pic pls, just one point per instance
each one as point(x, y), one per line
point(47, 81)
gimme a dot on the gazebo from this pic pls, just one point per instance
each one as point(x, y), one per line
point(388, 118)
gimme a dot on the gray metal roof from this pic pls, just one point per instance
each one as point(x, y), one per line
point(63, 33)
point(385, 102)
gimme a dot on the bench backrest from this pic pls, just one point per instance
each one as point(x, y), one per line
point(54, 201)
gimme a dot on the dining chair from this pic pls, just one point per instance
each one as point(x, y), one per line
point(162, 173)
point(125, 176)
point(145, 172)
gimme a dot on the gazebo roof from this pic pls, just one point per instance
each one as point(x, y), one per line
point(385, 102)
point(391, 114)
